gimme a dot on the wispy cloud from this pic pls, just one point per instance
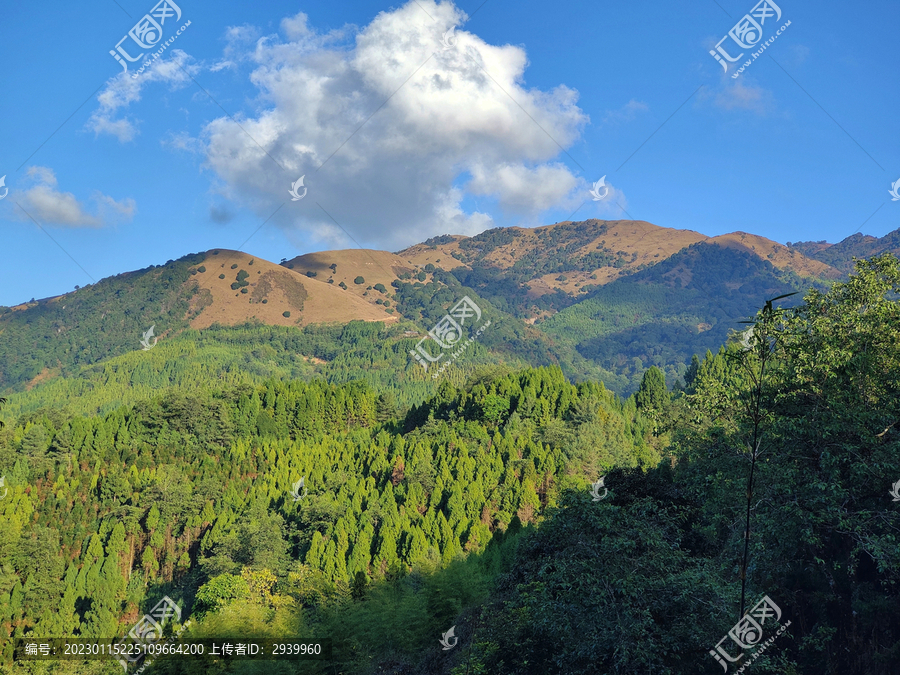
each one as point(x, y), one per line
point(49, 205)
point(123, 90)
point(626, 113)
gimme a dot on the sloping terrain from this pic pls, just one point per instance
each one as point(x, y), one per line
point(359, 270)
point(782, 257)
point(60, 335)
point(857, 245)
point(534, 273)
point(271, 291)
point(664, 314)
point(614, 295)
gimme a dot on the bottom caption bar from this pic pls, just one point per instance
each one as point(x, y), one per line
point(72, 649)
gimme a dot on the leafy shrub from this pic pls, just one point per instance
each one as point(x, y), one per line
point(421, 276)
point(380, 288)
point(221, 276)
point(359, 280)
point(234, 267)
point(343, 285)
point(429, 268)
point(311, 274)
point(243, 290)
point(201, 269)
point(242, 275)
point(286, 315)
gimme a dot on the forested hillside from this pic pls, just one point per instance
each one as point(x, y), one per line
point(473, 509)
point(602, 300)
point(662, 315)
point(186, 495)
point(93, 323)
point(858, 245)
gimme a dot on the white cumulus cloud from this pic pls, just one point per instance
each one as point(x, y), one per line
point(384, 123)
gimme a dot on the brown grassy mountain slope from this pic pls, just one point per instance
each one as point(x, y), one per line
point(375, 267)
point(627, 244)
point(779, 255)
point(271, 291)
point(857, 245)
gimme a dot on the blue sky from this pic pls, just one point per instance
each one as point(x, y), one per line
point(401, 137)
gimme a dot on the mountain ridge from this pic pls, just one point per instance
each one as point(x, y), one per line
point(529, 275)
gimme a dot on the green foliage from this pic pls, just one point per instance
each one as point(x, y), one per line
point(99, 321)
point(651, 318)
point(380, 288)
point(464, 502)
point(193, 491)
point(842, 254)
point(286, 315)
point(359, 280)
point(605, 588)
point(241, 281)
point(219, 591)
point(507, 339)
point(652, 394)
point(343, 285)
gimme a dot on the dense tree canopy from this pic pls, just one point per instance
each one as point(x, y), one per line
point(469, 506)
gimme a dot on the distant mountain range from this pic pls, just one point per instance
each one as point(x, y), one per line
point(600, 298)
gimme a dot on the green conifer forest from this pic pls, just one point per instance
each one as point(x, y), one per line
point(472, 502)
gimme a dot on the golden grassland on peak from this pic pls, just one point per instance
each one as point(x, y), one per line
point(272, 290)
point(641, 244)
